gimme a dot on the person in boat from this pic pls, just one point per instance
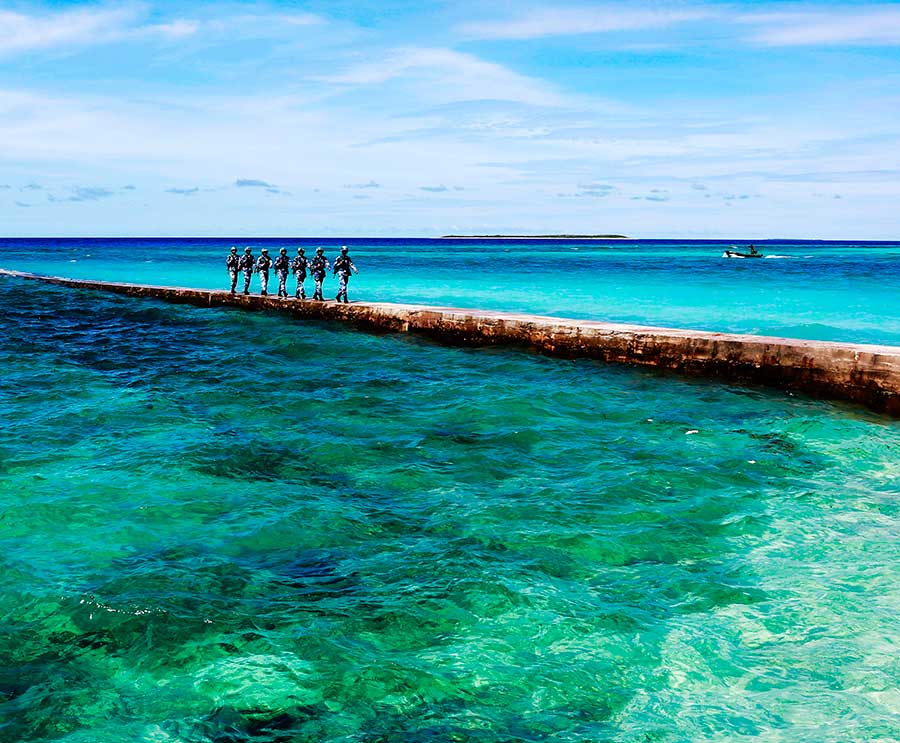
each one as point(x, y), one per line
point(231, 263)
point(263, 264)
point(246, 264)
point(299, 266)
point(318, 267)
point(282, 265)
point(753, 250)
point(343, 265)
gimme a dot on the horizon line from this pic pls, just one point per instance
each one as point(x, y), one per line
point(449, 238)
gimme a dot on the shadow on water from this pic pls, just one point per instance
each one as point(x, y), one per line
point(258, 459)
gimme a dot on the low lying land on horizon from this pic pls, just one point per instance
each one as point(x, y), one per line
point(536, 237)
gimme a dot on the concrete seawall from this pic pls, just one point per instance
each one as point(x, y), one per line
point(864, 374)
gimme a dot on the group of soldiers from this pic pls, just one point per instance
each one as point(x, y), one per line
point(317, 267)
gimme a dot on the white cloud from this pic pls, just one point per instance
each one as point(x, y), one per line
point(296, 19)
point(569, 21)
point(20, 32)
point(449, 75)
point(176, 29)
point(23, 33)
point(260, 25)
point(878, 24)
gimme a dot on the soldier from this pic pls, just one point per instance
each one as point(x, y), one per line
point(246, 264)
point(318, 267)
point(231, 263)
point(263, 263)
point(282, 265)
point(342, 267)
point(299, 266)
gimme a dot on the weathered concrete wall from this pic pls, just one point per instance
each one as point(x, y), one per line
point(865, 374)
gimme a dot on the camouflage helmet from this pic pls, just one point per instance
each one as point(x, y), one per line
point(233, 249)
point(344, 249)
point(300, 251)
point(248, 250)
point(284, 251)
point(319, 251)
point(264, 250)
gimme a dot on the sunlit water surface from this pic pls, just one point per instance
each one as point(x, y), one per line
point(219, 526)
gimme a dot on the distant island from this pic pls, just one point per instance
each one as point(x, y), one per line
point(536, 237)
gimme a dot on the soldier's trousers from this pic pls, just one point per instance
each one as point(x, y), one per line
point(248, 274)
point(301, 277)
point(232, 273)
point(318, 292)
point(264, 281)
point(282, 280)
point(343, 278)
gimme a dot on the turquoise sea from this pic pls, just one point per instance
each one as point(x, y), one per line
point(827, 291)
point(225, 526)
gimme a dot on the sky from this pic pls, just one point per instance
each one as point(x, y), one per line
point(387, 118)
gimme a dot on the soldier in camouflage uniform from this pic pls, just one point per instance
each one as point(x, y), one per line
point(231, 263)
point(299, 266)
point(246, 264)
point(318, 267)
point(263, 264)
point(343, 265)
point(282, 265)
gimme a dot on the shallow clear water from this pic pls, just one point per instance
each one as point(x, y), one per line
point(825, 291)
point(219, 526)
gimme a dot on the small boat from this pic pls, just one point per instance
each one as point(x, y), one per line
point(738, 254)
